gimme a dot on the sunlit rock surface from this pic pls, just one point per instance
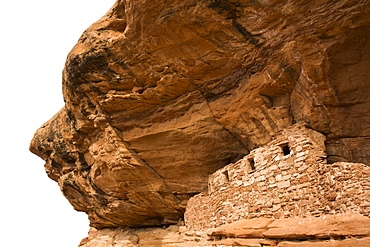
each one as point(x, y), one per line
point(161, 94)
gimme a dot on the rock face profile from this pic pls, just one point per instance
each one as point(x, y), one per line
point(159, 95)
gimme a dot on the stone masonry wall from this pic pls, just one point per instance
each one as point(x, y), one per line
point(288, 177)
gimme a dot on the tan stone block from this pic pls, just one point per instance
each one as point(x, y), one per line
point(273, 167)
point(351, 192)
point(320, 227)
point(236, 242)
point(242, 228)
point(279, 177)
point(268, 242)
point(361, 242)
point(278, 215)
point(304, 179)
point(283, 184)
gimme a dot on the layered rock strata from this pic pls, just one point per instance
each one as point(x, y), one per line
point(161, 94)
point(281, 194)
point(341, 230)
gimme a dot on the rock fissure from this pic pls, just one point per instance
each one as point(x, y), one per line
point(235, 136)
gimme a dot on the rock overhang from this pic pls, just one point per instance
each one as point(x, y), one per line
point(158, 100)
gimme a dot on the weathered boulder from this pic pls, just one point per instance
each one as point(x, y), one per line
point(160, 94)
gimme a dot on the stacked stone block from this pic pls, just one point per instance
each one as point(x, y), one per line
point(288, 177)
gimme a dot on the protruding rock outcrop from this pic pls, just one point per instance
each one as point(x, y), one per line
point(161, 94)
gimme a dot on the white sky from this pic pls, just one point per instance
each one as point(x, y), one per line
point(35, 38)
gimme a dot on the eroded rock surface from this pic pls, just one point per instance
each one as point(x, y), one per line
point(341, 230)
point(160, 94)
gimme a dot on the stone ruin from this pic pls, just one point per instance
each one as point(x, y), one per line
point(288, 177)
point(282, 194)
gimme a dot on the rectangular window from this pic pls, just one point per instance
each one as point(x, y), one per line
point(252, 164)
point(285, 148)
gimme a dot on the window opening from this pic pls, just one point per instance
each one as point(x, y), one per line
point(226, 173)
point(286, 149)
point(252, 164)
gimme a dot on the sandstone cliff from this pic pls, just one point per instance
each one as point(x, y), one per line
point(341, 230)
point(161, 94)
point(281, 194)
